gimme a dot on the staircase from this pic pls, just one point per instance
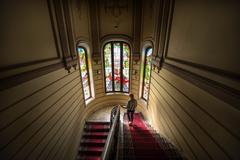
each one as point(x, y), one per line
point(93, 140)
point(141, 142)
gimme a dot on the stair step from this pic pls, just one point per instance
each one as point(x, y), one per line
point(96, 129)
point(97, 126)
point(143, 142)
point(150, 158)
point(95, 135)
point(99, 149)
point(97, 123)
point(93, 142)
point(96, 151)
point(85, 157)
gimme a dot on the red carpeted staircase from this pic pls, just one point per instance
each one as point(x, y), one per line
point(93, 140)
point(141, 142)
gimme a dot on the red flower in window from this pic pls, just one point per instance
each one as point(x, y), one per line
point(109, 76)
point(125, 80)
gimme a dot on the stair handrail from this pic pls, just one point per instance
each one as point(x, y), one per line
point(110, 146)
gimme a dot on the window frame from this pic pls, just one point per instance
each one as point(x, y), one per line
point(144, 72)
point(87, 67)
point(121, 66)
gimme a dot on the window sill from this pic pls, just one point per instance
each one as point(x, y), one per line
point(89, 100)
point(142, 102)
point(117, 93)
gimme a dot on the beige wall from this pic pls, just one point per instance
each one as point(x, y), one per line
point(26, 32)
point(201, 124)
point(42, 113)
point(122, 17)
point(206, 33)
point(149, 16)
point(39, 117)
point(81, 19)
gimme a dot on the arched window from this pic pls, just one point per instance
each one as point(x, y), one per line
point(83, 62)
point(116, 66)
point(146, 72)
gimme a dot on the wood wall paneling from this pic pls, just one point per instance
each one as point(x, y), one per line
point(205, 129)
point(47, 122)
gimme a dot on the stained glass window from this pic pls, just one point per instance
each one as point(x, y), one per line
point(126, 55)
point(82, 54)
point(147, 73)
point(108, 67)
point(116, 66)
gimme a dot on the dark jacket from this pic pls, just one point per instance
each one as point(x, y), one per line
point(131, 105)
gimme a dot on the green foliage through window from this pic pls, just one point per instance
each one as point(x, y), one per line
point(83, 62)
point(147, 73)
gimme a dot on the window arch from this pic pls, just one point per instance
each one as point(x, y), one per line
point(146, 73)
point(84, 68)
point(116, 56)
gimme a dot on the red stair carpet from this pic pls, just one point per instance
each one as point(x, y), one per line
point(93, 140)
point(144, 144)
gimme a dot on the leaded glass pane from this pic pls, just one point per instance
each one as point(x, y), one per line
point(108, 67)
point(147, 73)
point(116, 62)
point(126, 55)
point(117, 66)
point(84, 72)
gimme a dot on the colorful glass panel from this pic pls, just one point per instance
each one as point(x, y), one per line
point(117, 66)
point(84, 72)
point(116, 63)
point(108, 67)
point(147, 73)
point(126, 55)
